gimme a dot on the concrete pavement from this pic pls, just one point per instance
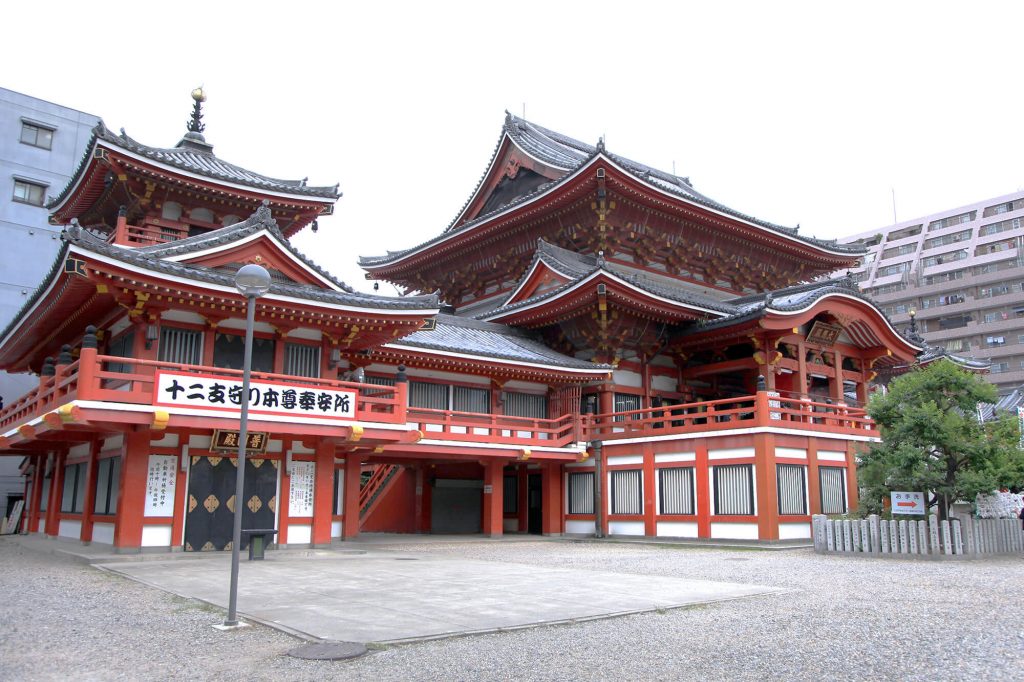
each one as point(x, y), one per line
point(364, 592)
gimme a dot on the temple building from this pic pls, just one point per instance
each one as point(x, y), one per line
point(591, 346)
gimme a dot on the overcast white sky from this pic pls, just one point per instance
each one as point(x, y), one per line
point(807, 112)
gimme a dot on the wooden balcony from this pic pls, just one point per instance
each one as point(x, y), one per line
point(494, 428)
point(118, 380)
point(755, 411)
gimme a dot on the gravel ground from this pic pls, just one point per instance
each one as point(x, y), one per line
point(850, 619)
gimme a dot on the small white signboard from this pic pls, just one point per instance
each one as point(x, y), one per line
point(300, 490)
point(907, 503)
point(179, 389)
point(160, 482)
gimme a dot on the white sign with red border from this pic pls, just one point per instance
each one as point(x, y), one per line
point(210, 392)
point(907, 503)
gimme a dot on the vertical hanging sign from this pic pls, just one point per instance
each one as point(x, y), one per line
point(160, 482)
point(300, 492)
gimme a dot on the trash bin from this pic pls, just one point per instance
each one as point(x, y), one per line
point(258, 541)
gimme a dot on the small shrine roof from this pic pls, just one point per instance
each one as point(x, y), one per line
point(453, 334)
point(579, 266)
point(193, 155)
point(155, 258)
point(261, 220)
point(570, 155)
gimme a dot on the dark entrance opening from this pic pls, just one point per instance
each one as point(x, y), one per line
point(456, 506)
point(209, 521)
point(534, 505)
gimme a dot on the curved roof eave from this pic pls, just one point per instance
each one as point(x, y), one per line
point(372, 263)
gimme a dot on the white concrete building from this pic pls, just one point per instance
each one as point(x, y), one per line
point(962, 273)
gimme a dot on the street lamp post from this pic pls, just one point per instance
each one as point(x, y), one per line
point(252, 281)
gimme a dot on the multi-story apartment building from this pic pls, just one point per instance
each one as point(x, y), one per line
point(41, 144)
point(961, 273)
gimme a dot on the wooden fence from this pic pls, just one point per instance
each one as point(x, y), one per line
point(963, 536)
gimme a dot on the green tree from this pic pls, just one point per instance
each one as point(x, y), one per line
point(932, 441)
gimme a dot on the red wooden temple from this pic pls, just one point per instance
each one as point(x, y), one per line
point(618, 354)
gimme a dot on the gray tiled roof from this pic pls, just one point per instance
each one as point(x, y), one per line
point(151, 258)
point(563, 152)
point(464, 335)
point(194, 155)
point(260, 220)
point(579, 266)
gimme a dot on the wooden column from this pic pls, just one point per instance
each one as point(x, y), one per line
point(802, 369)
point(350, 496)
point(494, 494)
point(421, 524)
point(837, 381)
point(131, 498)
point(323, 495)
point(56, 494)
point(551, 494)
point(36, 497)
point(90, 490)
point(650, 499)
point(813, 480)
point(852, 496)
point(703, 474)
point(279, 341)
point(766, 484)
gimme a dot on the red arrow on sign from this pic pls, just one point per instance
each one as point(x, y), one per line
point(906, 504)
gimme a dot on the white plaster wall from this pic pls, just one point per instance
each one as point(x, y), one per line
point(625, 527)
point(299, 535)
point(79, 450)
point(734, 531)
point(660, 383)
point(113, 443)
point(103, 533)
point(306, 334)
point(580, 527)
point(156, 536)
point(831, 456)
point(298, 447)
point(275, 445)
point(336, 528)
point(730, 453)
point(525, 387)
point(794, 453)
point(677, 529)
point(625, 459)
point(199, 442)
point(170, 440)
point(624, 377)
point(794, 531)
point(69, 529)
point(186, 316)
point(675, 457)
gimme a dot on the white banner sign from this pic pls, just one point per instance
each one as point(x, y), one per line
point(907, 503)
point(160, 481)
point(300, 493)
point(174, 389)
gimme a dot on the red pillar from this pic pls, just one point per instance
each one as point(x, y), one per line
point(650, 500)
point(837, 382)
point(852, 496)
point(494, 493)
point(551, 494)
point(131, 500)
point(703, 474)
point(522, 474)
point(35, 499)
point(766, 485)
point(90, 490)
point(56, 495)
point(813, 482)
point(323, 494)
point(350, 496)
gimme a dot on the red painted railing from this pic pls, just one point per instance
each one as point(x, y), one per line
point(744, 412)
point(382, 473)
point(495, 428)
point(91, 378)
